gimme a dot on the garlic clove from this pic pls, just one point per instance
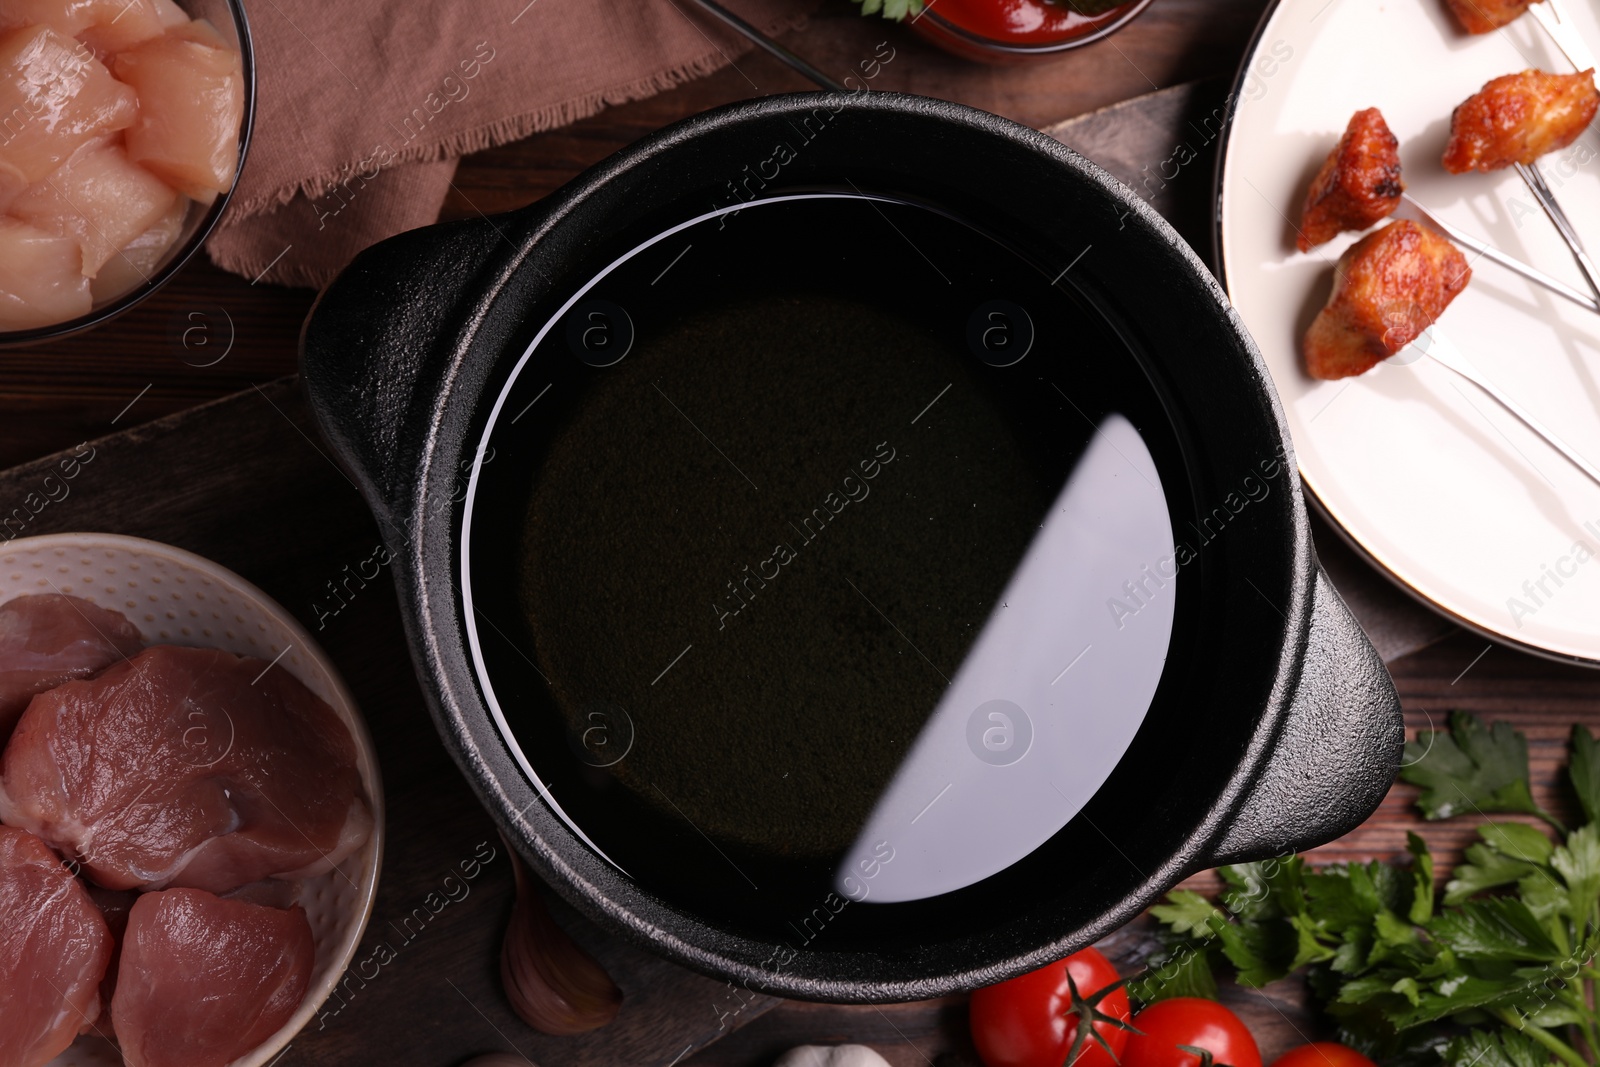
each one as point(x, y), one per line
point(831, 1056)
point(553, 985)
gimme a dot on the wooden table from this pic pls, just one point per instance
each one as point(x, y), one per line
point(58, 395)
point(141, 368)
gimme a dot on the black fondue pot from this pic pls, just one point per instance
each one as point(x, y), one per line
point(851, 546)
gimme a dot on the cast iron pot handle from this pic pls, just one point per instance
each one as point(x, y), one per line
point(379, 344)
point(1338, 749)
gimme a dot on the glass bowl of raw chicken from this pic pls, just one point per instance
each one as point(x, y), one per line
point(191, 814)
point(123, 127)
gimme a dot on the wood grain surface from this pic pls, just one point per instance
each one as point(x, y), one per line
point(245, 482)
point(168, 354)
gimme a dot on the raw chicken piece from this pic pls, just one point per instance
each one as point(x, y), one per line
point(1518, 118)
point(54, 96)
point(186, 767)
point(1486, 16)
point(11, 182)
point(171, 14)
point(1358, 184)
point(105, 25)
point(54, 947)
point(47, 639)
point(121, 24)
point(41, 277)
point(140, 257)
point(191, 101)
point(99, 199)
point(1390, 286)
point(203, 980)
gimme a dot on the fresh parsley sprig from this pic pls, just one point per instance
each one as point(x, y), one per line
point(891, 9)
point(1493, 968)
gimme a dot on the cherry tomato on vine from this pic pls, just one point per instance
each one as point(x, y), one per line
point(1035, 1019)
point(1323, 1054)
point(1192, 1021)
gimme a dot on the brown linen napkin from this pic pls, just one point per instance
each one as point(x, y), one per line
point(363, 108)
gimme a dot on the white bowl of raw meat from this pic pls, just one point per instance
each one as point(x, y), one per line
point(191, 818)
point(123, 126)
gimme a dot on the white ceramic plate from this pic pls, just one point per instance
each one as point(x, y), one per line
point(175, 597)
point(1436, 483)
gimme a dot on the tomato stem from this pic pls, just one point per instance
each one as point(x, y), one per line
point(1088, 1013)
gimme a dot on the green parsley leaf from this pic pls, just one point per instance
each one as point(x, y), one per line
point(1261, 952)
point(1308, 949)
point(1484, 1048)
point(892, 9)
point(1578, 863)
point(1584, 770)
point(1344, 897)
point(1517, 840)
point(1495, 928)
point(1265, 889)
point(1186, 912)
point(1455, 995)
point(1544, 895)
point(1184, 973)
point(1470, 769)
point(1421, 879)
point(1520, 992)
point(1485, 869)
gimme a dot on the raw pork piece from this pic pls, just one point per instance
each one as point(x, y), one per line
point(204, 980)
point(186, 767)
point(114, 905)
point(54, 96)
point(54, 948)
point(106, 25)
point(47, 639)
point(98, 198)
point(41, 277)
point(191, 101)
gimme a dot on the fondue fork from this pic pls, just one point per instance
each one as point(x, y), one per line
point(1411, 209)
point(1552, 17)
point(739, 25)
point(1434, 345)
point(1542, 193)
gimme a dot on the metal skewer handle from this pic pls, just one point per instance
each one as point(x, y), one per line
point(1541, 192)
point(1416, 212)
point(1436, 346)
point(1553, 17)
point(794, 60)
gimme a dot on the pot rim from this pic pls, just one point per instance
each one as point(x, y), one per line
point(452, 408)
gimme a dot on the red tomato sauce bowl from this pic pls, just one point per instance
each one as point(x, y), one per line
point(1016, 31)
